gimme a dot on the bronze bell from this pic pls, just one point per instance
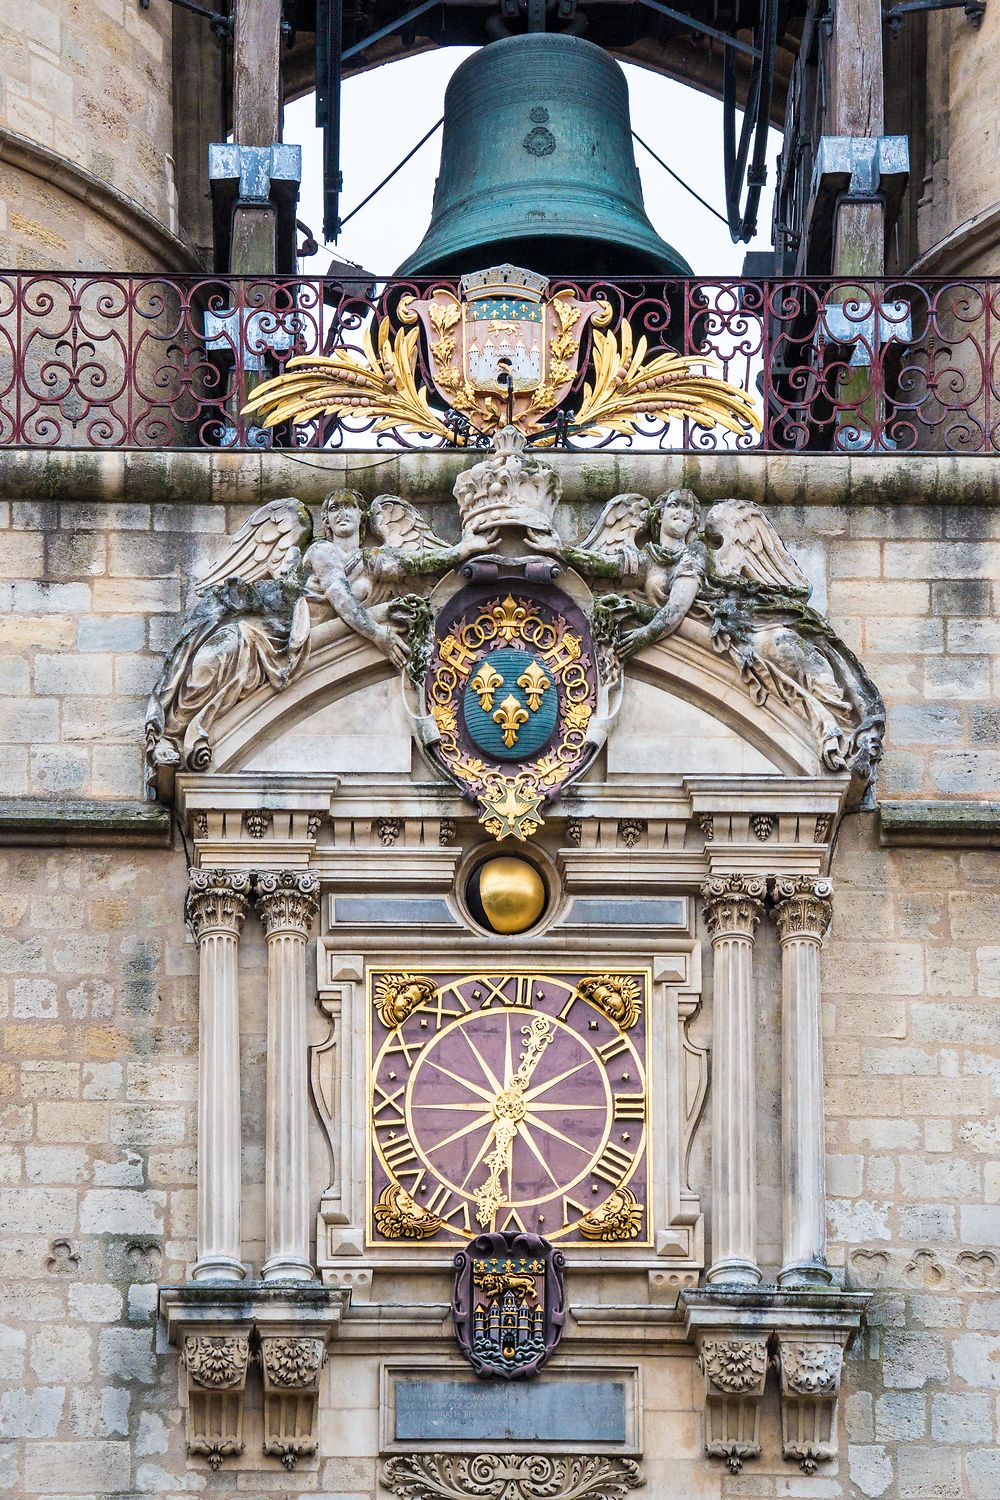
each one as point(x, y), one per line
point(537, 168)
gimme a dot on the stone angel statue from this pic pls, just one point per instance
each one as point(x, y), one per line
point(736, 575)
point(256, 607)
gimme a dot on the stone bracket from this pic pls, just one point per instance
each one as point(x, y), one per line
point(223, 1332)
point(739, 1335)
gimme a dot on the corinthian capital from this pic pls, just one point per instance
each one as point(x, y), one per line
point(287, 900)
point(216, 901)
point(803, 906)
point(734, 904)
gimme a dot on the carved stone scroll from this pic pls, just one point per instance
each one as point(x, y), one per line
point(216, 1366)
point(509, 1476)
point(810, 1385)
point(291, 1367)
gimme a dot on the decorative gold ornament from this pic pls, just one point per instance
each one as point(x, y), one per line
point(617, 995)
point(510, 716)
point(535, 684)
point(380, 386)
point(511, 807)
point(619, 1217)
point(399, 1217)
point(397, 996)
point(512, 893)
point(485, 684)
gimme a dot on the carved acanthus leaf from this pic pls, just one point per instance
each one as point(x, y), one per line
point(217, 901)
point(734, 904)
point(803, 906)
point(287, 900)
point(509, 1476)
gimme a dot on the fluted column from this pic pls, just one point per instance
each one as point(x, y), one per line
point(215, 909)
point(287, 901)
point(734, 905)
point(802, 911)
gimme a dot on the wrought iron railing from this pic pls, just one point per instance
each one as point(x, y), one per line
point(103, 361)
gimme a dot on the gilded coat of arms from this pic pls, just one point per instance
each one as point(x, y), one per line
point(508, 1303)
point(503, 352)
point(512, 689)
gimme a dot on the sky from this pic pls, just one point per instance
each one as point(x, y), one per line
point(387, 110)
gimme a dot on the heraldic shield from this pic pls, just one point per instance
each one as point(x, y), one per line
point(508, 1303)
point(512, 688)
point(504, 351)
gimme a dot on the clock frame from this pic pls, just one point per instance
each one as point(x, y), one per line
point(512, 1098)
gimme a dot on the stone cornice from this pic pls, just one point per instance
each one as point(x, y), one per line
point(208, 477)
point(56, 822)
point(167, 250)
point(949, 824)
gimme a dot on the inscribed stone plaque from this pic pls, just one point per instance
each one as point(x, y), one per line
point(556, 1411)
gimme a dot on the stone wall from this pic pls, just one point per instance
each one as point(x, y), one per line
point(98, 1016)
point(91, 594)
point(85, 127)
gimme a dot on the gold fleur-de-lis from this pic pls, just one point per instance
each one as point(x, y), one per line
point(509, 617)
point(485, 684)
point(535, 683)
point(510, 716)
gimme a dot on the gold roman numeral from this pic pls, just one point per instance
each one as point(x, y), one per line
point(513, 1219)
point(630, 1106)
point(401, 1159)
point(613, 1164)
point(382, 1101)
point(612, 1049)
point(443, 1203)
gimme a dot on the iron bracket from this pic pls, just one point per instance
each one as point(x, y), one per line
point(219, 24)
point(693, 24)
point(974, 11)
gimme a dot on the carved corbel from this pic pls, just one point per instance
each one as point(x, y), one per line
point(735, 1369)
point(810, 1384)
point(216, 1366)
point(291, 1367)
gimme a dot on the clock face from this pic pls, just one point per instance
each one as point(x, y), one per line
point(509, 1101)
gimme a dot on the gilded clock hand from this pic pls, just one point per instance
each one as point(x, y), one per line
point(508, 1111)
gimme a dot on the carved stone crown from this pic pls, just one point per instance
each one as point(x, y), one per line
point(510, 488)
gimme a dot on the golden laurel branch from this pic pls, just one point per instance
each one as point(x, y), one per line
point(379, 385)
point(625, 389)
point(383, 386)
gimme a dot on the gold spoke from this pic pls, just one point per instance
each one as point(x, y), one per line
point(480, 1059)
point(479, 1124)
point(508, 1059)
point(473, 1088)
point(543, 1088)
point(568, 1108)
point(567, 1140)
point(528, 1140)
point(417, 1104)
point(482, 1152)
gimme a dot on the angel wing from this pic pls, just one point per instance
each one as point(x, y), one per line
point(746, 545)
point(262, 546)
point(399, 525)
point(618, 525)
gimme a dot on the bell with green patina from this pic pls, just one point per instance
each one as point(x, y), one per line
point(537, 168)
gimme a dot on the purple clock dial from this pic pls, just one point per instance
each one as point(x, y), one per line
point(509, 1102)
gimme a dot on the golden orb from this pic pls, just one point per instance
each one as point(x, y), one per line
point(512, 893)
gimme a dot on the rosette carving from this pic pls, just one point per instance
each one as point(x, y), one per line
point(217, 901)
point(811, 1369)
point(509, 1476)
point(735, 1365)
point(216, 1360)
point(291, 1361)
point(287, 900)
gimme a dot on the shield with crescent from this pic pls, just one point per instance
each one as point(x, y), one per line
point(503, 351)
